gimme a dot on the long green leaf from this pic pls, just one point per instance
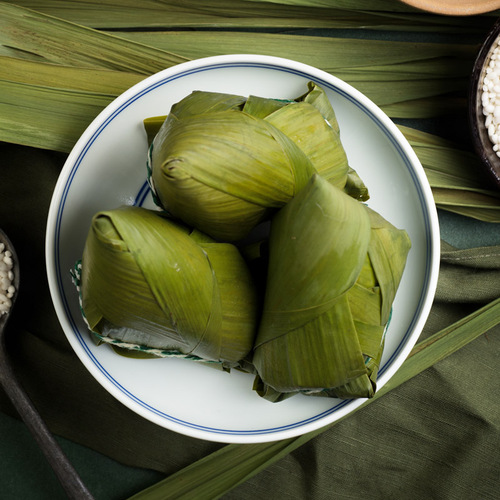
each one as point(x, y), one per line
point(49, 105)
point(155, 14)
point(427, 107)
point(220, 472)
point(479, 213)
point(57, 76)
point(45, 117)
point(25, 33)
point(458, 197)
point(413, 72)
point(23, 111)
point(325, 52)
point(454, 176)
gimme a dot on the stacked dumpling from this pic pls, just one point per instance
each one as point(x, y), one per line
point(185, 280)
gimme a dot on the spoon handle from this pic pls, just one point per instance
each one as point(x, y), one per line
point(65, 472)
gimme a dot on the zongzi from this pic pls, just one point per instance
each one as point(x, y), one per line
point(334, 268)
point(150, 283)
point(222, 163)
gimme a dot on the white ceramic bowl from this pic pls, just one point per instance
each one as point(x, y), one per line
point(107, 169)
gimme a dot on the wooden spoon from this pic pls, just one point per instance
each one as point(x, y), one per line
point(67, 475)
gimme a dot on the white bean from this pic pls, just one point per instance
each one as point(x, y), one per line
point(7, 289)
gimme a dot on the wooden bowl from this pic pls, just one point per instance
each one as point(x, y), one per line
point(455, 7)
point(480, 139)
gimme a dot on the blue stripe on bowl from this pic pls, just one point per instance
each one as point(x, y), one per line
point(140, 199)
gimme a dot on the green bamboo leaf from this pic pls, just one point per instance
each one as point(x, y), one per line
point(50, 105)
point(305, 126)
point(405, 91)
point(430, 107)
point(342, 227)
point(420, 137)
point(387, 252)
point(262, 107)
point(451, 64)
point(40, 74)
point(375, 5)
point(240, 13)
point(199, 103)
point(152, 126)
point(482, 214)
point(454, 177)
point(46, 117)
point(223, 470)
point(329, 53)
point(457, 197)
point(381, 5)
point(112, 52)
point(25, 33)
point(317, 97)
point(448, 167)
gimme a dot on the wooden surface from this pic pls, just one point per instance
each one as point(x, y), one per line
point(455, 7)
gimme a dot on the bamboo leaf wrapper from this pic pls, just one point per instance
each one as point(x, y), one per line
point(222, 163)
point(334, 269)
point(150, 282)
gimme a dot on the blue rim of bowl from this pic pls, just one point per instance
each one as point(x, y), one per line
point(142, 195)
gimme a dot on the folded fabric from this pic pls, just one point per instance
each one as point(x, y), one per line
point(436, 436)
point(469, 275)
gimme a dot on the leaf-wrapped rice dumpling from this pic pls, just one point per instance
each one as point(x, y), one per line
point(222, 163)
point(153, 283)
point(334, 268)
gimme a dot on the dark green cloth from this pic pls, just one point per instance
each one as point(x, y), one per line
point(437, 436)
